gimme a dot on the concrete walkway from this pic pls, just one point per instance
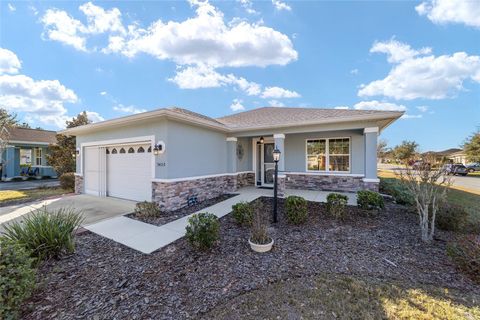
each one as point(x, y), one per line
point(147, 238)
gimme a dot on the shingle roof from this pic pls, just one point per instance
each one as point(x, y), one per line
point(32, 135)
point(194, 114)
point(273, 116)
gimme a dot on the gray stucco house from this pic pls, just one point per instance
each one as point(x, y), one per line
point(170, 155)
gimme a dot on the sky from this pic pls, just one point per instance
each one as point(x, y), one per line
point(217, 58)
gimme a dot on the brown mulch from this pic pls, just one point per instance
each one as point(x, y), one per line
point(166, 217)
point(105, 280)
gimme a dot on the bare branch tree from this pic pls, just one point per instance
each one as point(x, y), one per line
point(428, 187)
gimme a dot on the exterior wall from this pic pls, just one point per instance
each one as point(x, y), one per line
point(11, 161)
point(328, 183)
point(173, 195)
point(295, 149)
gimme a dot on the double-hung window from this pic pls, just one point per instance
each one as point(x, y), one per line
point(328, 155)
point(38, 156)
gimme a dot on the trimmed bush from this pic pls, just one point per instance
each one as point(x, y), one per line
point(466, 255)
point(203, 230)
point(67, 181)
point(336, 204)
point(47, 234)
point(296, 209)
point(397, 190)
point(147, 209)
point(17, 277)
point(370, 200)
point(243, 213)
point(451, 217)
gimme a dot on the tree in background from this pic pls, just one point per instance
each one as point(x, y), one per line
point(472, 147)
point(7, 121)
point(405, 151)
point(61, 156)
point(382, 150)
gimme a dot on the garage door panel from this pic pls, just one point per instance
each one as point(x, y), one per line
point(91, 171)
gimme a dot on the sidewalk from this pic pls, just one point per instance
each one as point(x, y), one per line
point(147, 238)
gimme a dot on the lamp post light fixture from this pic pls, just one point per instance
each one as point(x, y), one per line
point(276, 158)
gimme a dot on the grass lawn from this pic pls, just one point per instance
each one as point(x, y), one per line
point(338, 296)
point(8, 197)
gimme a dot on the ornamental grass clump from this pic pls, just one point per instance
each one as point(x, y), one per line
point(259, 232)
point(147, 209)
point(203, 230)
point(17, 277)
point(46, 233)
point(296, 209)
point(336, 204)
point(243, 213)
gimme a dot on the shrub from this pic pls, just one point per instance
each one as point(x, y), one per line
point(296, 209)
point(17, 277)
point(336, 204)
point(370, 200)
point(147, 209)
point(397, 190)
point(47, 234)
point(259, 226)
point(466, 255)
point(451, 217)
point(203, 230)
point(67, 181)
point(243, 213)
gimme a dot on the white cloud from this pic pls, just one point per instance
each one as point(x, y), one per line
point(342, 108)
point(411, 116)
point(237, 105)
point(423, 108)
point(100, 20)
point(279, 5)
point(379, 105)
point(43, 100)
point(354, 71)
point(427, 77)
point(11, 7)
point(451, 11)
point(276, 103)
point(128, 109)
point(9, 62)
point(398, 51)
point(103, 93)
point(94, 116)
point(60, 26)
point(248, 6)
point(278, 93)
point(33, 9)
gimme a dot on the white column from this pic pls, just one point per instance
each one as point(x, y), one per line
point(370, 137)
point(280, 145)
point(231, 154)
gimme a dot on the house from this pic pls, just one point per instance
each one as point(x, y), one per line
point(25, 154)
point(439, 156)
point(458, 157)
point(170, 155)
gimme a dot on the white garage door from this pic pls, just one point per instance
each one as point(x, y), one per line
point(129, 174)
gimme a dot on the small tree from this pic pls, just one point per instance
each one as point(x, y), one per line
point(405, 151)
point(60, 155)
point(472, 147)
point(428, 188)
point(7, 121)
point(382, 149)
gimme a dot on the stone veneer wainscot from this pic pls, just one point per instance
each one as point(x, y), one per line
point(78, 184)
point(339, 183)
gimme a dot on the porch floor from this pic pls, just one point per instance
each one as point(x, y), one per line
point(147, 238)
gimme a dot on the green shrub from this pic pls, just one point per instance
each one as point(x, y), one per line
point(370, 200)
point(67, 181)
point(296, 209)
point(336, 204)
point(243, 213)
point(17, 277)
point(147, 209)
point(47, 234)
point(203, 230)
point(451, 217)
point(465, 253)
point(397, 190)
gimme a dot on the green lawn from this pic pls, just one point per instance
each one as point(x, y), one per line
point(470, 201)
point(8, 197)
point(345, 297)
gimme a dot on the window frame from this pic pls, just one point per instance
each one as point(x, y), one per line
point(327, 155)
point(38, 157)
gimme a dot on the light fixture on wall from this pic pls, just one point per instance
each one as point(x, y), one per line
point(262, 140)
point(159, 148)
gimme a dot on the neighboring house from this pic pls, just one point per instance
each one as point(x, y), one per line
point(439, 156)
point(458, 157)
point(170, 155)
point(25, 154)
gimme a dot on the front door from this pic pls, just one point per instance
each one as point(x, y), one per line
point(267, 166)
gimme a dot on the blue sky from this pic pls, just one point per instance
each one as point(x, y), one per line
point(117, 58)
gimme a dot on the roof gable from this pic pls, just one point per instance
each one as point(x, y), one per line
point(32, 135)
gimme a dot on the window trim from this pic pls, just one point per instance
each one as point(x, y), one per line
point(327, 154)
point(38, 157)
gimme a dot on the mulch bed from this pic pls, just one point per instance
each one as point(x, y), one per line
point(166, 217)
point(105, 280)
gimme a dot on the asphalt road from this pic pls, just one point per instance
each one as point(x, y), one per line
point(29, 184)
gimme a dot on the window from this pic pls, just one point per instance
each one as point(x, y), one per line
point(140, 150)
point(149, 149)
point(114, 151)
point(107, 151)
point(122, 150)
point(328, 154)
point(131, 150)
point(25, 157)
point(38, 156)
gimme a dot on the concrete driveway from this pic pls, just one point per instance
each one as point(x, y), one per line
point(94, 209)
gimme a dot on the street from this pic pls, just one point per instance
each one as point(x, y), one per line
point(29, 184)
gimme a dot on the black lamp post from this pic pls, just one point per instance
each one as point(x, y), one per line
point(276, 158)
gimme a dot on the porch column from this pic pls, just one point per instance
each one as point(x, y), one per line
point(370, 136)
point(231, 154)
point(280, 145)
